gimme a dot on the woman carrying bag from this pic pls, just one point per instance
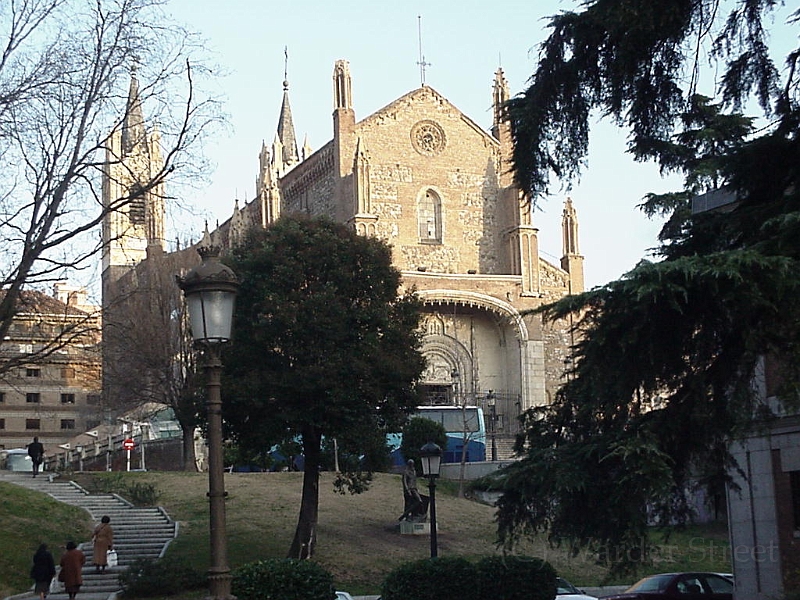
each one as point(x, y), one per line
point(103, 539)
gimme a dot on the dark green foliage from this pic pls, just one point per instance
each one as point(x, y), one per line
point(322, 338)
point(445, 578)
point(628, 60)
point(146, 578)
point(516, 578)
point(325, 349)
point(454, 578)
point(663, 382)
point(282, 579)
point(487, 483)
point(665, 357)
point(258, 458)
point(418, 432)
point(699, 151)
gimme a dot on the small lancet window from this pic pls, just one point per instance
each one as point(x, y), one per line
point(430, 218)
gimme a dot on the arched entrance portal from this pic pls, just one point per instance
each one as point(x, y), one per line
point(478, 351)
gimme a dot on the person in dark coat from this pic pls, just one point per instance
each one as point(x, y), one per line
point(43, 571)
point(36, 452)
point(72, 569)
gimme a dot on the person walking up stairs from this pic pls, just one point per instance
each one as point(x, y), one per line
point(139, 533)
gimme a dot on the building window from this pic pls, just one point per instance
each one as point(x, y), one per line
point(32, 424)
point(67, 423)
point(2, 423)
point(67, 398)
point(2, 397)
point(67, 373)
point(33, 372)
point(93, 399)
point(33, 397)
point(429, 218)
point(92, 423)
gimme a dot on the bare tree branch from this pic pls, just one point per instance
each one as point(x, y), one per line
point(65, 70)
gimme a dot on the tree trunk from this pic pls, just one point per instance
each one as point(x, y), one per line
point(188, 458)
point(464, 444)
point(305, 535)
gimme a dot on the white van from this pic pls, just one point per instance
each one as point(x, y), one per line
point(18, 460)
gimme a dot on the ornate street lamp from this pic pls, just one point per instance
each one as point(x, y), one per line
point(491, 400)
point(210, 291)
point(431, 457)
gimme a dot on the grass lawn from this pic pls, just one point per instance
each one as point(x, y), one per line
point(358, 536)
point(28, 519)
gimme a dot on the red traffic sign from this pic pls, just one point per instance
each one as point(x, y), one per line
point(128, 444)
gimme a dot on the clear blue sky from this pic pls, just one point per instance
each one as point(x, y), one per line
point(463, 40)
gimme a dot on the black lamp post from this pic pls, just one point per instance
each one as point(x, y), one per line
point(431, 456)
point(491, 400)
point(210, 291)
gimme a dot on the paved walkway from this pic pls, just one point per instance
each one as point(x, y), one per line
point(138, 532)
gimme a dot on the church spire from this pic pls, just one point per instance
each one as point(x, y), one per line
point(342, 86)
point(133, 131)
point(286, 133)
point(569, 229)
point(132, 192)
point(499, 98)
point(571, 261)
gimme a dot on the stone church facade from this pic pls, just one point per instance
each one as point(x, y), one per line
point(428, 180)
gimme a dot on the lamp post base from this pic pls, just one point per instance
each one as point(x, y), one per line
point(219, 585)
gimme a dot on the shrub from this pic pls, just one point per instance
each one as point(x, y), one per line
point(516, 578)
point(163, 577)
point(493, 482)
point(282, 579)
point(142, 494)
point(448, 578)
point(418, 432)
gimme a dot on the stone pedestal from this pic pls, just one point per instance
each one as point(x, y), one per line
point(409, 528)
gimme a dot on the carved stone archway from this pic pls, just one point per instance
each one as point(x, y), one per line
point(500, 308)
point(446, 353)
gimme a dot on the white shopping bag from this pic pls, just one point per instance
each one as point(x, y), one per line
point(111, 558)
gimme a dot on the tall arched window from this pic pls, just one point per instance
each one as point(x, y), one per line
point(429, 218)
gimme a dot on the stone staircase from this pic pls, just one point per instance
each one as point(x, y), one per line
point(504, 445)
point(138, 532)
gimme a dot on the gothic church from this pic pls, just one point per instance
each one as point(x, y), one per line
point(437, 187)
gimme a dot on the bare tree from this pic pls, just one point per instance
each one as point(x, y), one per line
point(149, 354)
point(64, 79)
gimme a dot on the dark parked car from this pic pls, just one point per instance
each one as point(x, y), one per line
point(686, 586)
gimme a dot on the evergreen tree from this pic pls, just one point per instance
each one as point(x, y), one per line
point(663, 371)
point(325, 348)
